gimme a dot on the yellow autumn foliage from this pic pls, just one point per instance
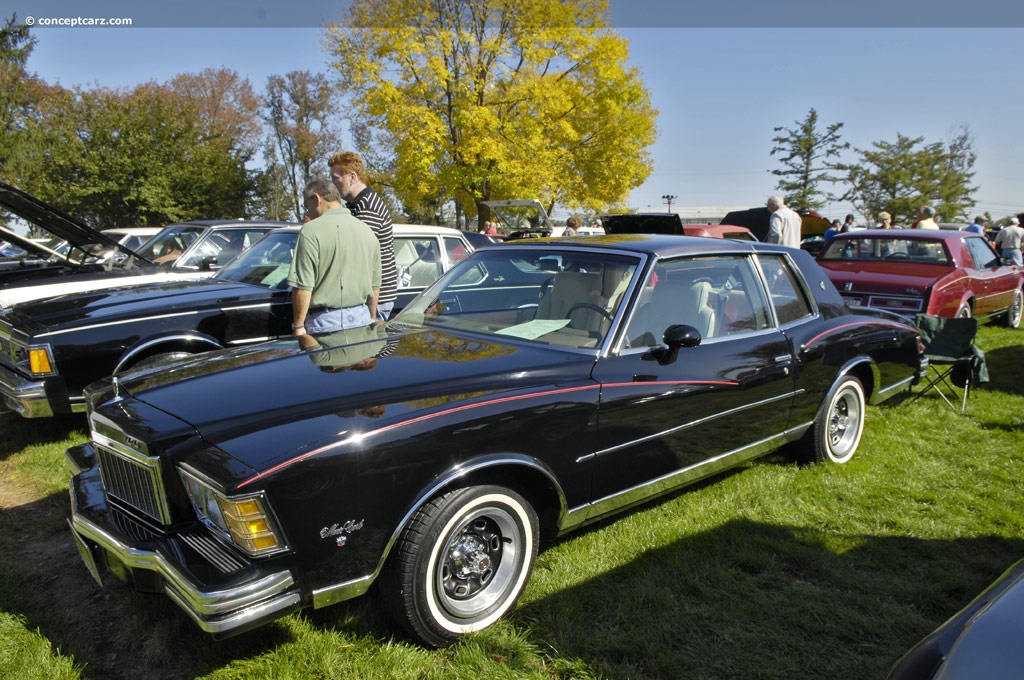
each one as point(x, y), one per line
point(474, 100)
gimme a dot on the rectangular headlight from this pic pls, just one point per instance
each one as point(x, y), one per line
point(245, 520)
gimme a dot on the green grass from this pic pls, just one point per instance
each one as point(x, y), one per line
point(775, 570)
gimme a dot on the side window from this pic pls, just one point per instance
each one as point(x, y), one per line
point(456, 249)
point(982, 253)
point(788, 296)
point(719, 296)
point(418, 261)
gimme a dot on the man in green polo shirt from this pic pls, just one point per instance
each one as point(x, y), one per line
point(335, 273)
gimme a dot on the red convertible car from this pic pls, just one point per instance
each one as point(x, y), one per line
point(913, 271)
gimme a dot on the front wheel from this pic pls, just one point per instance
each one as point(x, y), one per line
point(839, 424)
point(461, 563)
point(1014, 313)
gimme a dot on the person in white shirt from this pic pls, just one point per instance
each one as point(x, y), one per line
point(1008, 241)
point(784, 223)
point(926, 218)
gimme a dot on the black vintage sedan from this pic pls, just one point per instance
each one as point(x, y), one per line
point(51, 348)
point(536, 387)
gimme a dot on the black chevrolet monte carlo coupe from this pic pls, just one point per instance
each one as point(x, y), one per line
point(534, 388)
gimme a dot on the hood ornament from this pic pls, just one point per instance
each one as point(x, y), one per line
point(116, 385)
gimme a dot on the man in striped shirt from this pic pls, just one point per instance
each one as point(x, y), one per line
point(349, 174)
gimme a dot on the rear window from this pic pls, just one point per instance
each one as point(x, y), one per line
point(887, 249)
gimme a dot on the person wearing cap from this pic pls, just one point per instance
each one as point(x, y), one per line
point(978, 226)
point(1008, 241)
point(884, 220)
point(925, 218)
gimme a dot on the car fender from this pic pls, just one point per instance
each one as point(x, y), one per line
point(527, 474)
point(177, 339)
point(866, 370)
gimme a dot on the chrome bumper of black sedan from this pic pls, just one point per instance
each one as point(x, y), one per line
point(27, 398)
point(238, 604)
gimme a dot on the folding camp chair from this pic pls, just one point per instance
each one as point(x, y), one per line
point(953, 360)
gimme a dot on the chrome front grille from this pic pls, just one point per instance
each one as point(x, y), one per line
point(131, 477)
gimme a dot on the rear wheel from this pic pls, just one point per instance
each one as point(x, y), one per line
point(964, 312)
point(1014, 313)
point(839, 424)
point(461, 563)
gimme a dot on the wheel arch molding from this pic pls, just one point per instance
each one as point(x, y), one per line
point(524, 474)
point(191, 342)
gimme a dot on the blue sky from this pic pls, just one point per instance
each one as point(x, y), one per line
point(722, 77)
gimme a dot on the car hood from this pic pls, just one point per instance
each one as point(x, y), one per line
point(129, 302)
point(267, 403)
point(73, 284)
point(881, 276)
point(56, 222)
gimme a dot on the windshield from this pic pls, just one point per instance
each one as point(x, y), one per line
point(220, 246)
point(555, 296)
point(895, 249)
point(264, 264)
point(170, 243)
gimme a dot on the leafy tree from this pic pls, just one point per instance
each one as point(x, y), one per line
point(20, 91)
point(492, 99)
point(143, 155)
point(300, 110)
point(805, 152)
point(223, 105)
point(901, 176)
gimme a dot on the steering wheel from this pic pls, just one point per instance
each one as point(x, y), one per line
point(588, 305)
point(897, 256)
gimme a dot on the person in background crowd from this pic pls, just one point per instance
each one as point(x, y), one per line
point(848, 224)
point(349, 175)
point(1008, 241)
point(884, 220)
point(492, 229)
point(832, 231)
point(978, 226)
point(572, 225)
point(925, 218)
point(335, 272)
point(784, 224)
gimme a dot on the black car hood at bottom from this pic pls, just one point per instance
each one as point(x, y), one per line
point(366, 379)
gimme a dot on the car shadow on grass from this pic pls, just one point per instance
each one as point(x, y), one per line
point(114, 632)
point(18, 432)
point(1005, 369)
point(791, 602)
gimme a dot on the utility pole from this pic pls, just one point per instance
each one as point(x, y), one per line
point(668, 198)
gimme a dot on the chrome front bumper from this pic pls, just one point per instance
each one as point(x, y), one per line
point(27, 398)
point(221, 610)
